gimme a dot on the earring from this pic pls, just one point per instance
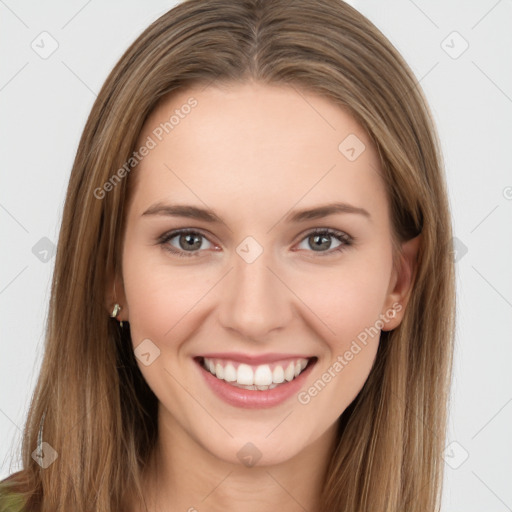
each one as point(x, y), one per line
point(115, 313)
point(392, 313)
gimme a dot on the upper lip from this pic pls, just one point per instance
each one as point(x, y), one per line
point(254, 359)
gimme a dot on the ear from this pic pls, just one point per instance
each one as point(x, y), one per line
point(115, 294)
point(401, 283)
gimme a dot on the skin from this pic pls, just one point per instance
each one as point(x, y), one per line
point(253, 153)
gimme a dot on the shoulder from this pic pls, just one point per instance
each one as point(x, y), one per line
point(10, 501)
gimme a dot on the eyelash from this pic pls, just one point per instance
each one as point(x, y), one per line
point(346, 240)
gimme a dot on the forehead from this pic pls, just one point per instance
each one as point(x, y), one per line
point(256, 144)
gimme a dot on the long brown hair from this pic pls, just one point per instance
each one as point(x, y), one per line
point(99, 413)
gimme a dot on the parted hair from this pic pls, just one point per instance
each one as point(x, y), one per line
point(99, 414)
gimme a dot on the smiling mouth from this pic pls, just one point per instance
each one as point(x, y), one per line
point(260, 377)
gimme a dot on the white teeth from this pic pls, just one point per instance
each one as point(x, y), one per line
point(278, 375)
point(289, 373)
point(263, 375)
point(245, 375)
point(260, 377)
point(229, 373)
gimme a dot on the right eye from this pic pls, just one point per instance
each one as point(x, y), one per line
point(184, 242)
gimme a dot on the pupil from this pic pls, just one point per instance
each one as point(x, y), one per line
point(321, 240)
point(191, 241)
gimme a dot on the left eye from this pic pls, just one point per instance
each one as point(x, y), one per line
point(190, 243)
point(322, 239)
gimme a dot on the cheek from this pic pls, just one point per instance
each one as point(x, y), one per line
point(164, 304)
point(350, 297)
point(349, 301)
point(160, 293)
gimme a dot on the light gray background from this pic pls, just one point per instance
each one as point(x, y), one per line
point(43, 107)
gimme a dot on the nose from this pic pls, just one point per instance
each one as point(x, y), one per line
point(255, 300)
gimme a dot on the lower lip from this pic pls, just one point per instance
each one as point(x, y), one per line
point(253, 399)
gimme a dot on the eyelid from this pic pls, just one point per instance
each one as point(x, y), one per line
point(178, 231)
point(322, 230)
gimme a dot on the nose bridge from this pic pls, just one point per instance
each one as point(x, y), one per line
point(255, 301)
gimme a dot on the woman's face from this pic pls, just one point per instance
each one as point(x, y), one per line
point(250, 290)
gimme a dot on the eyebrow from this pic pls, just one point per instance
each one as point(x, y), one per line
point(207, 215)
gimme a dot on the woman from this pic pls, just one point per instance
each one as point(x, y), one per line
point(253, 297)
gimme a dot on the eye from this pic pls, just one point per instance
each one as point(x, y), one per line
point(184, 242)
point(188, 242)
point(320, 240)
